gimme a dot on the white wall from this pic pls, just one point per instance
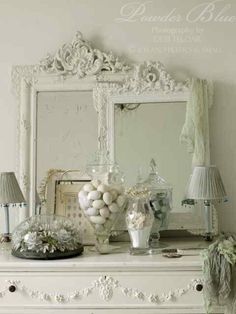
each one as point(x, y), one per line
point(29, 29)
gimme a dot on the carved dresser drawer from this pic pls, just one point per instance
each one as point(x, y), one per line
point(93, 284)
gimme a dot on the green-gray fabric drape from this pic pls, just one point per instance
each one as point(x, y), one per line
point(219, 274)
point(195, 132)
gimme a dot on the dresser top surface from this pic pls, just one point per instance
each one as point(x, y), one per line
point(120, 260)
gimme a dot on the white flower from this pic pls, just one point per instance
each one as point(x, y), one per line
point(30, 240)
point(153, 298)
point(139, 295)
point(59, 298)
point(63, 236)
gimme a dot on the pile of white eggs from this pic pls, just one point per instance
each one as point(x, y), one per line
point(101, 203)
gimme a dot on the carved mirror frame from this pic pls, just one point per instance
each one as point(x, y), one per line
point(78, 66)
point(147, 83)
point(75, 66)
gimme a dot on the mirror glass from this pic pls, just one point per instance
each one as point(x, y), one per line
point(152, 130)
point(66, 130)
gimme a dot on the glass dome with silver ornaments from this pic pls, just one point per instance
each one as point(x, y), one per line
point(46, 237)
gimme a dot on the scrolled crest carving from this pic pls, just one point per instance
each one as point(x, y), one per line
point(152, 76)
point(81, 59)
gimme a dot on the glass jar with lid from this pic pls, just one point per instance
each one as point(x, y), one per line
point(139, 220)
point(103, 199)
point(160, 199)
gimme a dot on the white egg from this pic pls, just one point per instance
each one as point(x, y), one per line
point(87, 202)
point(97, 220)
point(114, 208)
point(121, 199)
point(114, 194)
point(91, 211)
point(94, 195)
point(104, 212)
point(88, 187)
point(83, 203)
point(98, 204)
point(96, 183)
point(107, 197)
point(82, 194)
point(103, 188)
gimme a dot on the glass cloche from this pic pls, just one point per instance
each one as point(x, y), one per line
point(46, 237)
point(160, 197)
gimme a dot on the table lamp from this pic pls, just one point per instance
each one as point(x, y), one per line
point(206, 185)
point(10, 194)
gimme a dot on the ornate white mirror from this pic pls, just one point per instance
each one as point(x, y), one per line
point(80, 94)
point(143, 118)
point(58, 125)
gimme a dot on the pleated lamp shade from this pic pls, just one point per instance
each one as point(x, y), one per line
point(206, 184)
point(10, 192)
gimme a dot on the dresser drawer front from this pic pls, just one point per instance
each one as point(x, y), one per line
point(63, 310)
point(99, 290)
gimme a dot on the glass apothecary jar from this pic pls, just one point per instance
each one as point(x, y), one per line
point(103, 200)
point(139, 220)
point(160, 200)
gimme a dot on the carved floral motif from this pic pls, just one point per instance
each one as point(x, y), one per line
point(105, 286)
point(24, 180)
point(79, 58)
point(152, 76)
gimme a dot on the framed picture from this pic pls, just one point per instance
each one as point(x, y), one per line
point(47, 187)
point(66, 204)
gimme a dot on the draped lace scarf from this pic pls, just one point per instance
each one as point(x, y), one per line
point(195, 132)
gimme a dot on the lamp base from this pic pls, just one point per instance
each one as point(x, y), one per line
point(208, 237)
point(5, 242)
point(5, 237)
point(208, 221)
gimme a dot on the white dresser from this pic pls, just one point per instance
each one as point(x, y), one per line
point(102, 284)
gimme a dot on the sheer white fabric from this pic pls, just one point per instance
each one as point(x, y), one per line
point(195, 132)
